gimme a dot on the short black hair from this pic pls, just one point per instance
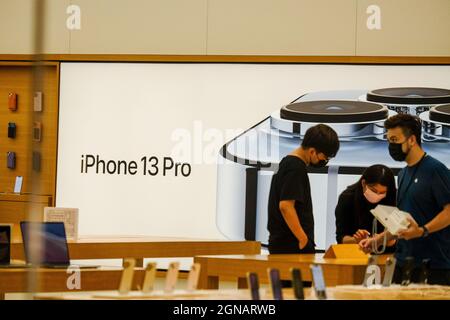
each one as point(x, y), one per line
point(322, 138)
point(409, 124)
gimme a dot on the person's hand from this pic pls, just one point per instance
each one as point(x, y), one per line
point(360, 235)
point(413, 231)
point(366, 244)
point(303, 242)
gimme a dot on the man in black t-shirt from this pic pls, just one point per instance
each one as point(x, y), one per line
point(291, 221)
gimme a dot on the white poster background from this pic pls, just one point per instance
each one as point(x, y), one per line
point(124, 111)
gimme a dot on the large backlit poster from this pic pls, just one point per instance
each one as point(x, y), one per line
point(141, 145)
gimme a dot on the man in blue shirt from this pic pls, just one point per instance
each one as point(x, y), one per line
point(424, 192)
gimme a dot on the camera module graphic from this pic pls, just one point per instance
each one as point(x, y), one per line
point(247, 163)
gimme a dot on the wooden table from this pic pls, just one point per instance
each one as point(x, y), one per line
point(413, 292)
point(55, 280)
point(336, 271)
point(140, 247)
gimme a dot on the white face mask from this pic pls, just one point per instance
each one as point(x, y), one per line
point(373, 197)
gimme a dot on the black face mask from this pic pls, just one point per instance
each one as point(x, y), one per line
point(396, 152)
point(320, 164)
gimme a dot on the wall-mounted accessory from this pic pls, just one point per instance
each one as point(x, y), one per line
point(18, 184)
point(11, 160)
point(12, 101)
point(36, 161)
point(37, 101)
point(37, 131)
point(11, 130)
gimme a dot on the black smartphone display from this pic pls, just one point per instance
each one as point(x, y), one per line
point(253, 285)
point(275, 283)
point(297, 283)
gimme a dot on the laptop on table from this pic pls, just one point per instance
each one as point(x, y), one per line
point(45, 245)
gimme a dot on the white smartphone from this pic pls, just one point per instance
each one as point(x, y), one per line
point(318, 281)
point(126, 280)
point(172, 276)
point(149, 278)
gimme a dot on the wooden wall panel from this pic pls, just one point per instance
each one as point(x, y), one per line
point(18, 77)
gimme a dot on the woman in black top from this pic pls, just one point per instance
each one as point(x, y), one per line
point(353, 218)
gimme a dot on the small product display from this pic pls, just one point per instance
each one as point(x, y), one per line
point(127, 276)
point(275, 284)
point(172, 277)
point(373, 273)
point(424, 270)
point(253, 285)
point(37, 101)
point(194, 274)
point(11, 130)
point(69, 216)
point(407, 271)
point(37, 131)
point(318, 281)
point(36, 161)
point(12, 101)
point(5, 241)
point(18, 184)
point(149, 278)
point(389, 271)
point(297, 284)
point(11, 159)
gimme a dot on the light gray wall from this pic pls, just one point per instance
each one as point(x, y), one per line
point(232, 27)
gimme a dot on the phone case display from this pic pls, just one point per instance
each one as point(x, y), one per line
point(36, 161)
point(11, 130)
point(37, 131)
point(12, 101)
point(11, 160)
point(247, 163)
point(37, 101)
